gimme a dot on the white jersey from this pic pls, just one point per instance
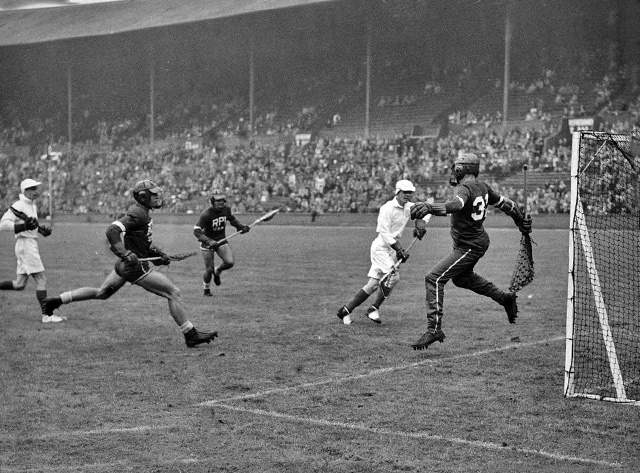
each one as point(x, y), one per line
point(27, 251)
point(392, 219)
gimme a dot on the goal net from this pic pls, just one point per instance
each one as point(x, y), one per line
point(603, 307)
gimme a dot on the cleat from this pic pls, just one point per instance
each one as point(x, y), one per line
point(216, 279)
point(46, 319)
point(511, 307)
point(428, 338)
point(50, 305)
point(343, 314)
point(374, 315)
point(194, 338)
point(207, 293)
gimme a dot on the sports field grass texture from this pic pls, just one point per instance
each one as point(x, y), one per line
point(287, 387)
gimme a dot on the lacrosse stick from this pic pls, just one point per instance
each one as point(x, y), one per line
point(523, 272)
point(384, 280)
point(178, 257)
point(266, 217)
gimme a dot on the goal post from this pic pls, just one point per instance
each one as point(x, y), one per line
point(602, 357)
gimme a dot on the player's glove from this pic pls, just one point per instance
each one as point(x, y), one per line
point(421, 210)
point(212, 245)
point(245, 229)
point(525, 225)
point(163, 261)
point(31, 223)
point(419, 233)
point(130, 258)
point(402, 255)
point(44, 230)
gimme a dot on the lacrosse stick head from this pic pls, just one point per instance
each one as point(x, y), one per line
point(268, 216)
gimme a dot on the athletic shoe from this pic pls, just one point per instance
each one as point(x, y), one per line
point(193, 338)
point(207, 293)
point(428, 338)
point(343, 314)
point(374, 315)
point(216, 279)
point(511, 307)
point(46, 319)
point(50, 305)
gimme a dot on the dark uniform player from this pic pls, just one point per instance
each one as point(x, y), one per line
point(210, 232)
point(137, 227)
point(468, 209)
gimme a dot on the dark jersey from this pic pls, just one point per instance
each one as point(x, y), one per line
point(213, 222)
point(467, 229)
point(137, 226)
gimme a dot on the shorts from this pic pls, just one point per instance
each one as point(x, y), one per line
point(28, 256)
point(204, 248)
point(132, 273)
point(383, 257)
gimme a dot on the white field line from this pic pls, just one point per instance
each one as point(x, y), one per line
point(325, 423)
point(420, 436)
point(377, 372)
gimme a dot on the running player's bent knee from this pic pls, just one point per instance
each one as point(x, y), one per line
point(174, 294)
point(106, 293)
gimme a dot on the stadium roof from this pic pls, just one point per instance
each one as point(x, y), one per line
point(46, 21)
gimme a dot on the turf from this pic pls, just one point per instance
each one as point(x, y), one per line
point(286, 387)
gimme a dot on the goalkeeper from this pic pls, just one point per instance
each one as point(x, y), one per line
point(386, 250)
point(23, 222)
point(468, 209)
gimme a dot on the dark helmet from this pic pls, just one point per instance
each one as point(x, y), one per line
point(148, 194)
point(218, 198)
point(465, 163)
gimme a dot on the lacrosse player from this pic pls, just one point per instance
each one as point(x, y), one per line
point(22, 219)
point(137, 227)
point(210, 232)
point(468, 209)
point(386, 251)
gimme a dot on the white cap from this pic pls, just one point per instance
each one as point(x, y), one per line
point(405, 186)
point(24, 185)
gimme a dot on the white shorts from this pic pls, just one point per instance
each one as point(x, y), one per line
point(383, 258)
point(28, 256)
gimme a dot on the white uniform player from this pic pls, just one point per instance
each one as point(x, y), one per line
point(27, 230)
point(386, 250)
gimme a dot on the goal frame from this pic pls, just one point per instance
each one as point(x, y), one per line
point(578, 231)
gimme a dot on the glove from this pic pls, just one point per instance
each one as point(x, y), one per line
point(212, 245)
point(130, 258)
point(44, 230)
point(19, 227)
point(163, 261)
point(245, 229)
point(419, 233)
point(31, 223)
point(525, 225)
point(421, 210)
point(402, 255)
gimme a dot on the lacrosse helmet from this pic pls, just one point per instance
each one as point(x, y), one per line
point(465, 163)
point(148, 194)
point(218, 199)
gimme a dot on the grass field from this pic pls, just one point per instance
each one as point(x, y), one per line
point(286, 387)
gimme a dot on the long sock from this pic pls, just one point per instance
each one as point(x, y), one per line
point(379, 299)
point(185, 327)
point(6, 286)
point(358, 299)
point(42, 296)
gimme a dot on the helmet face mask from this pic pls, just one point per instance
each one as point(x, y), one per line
point(463, 165)
point(148, 194)
point(218, 200)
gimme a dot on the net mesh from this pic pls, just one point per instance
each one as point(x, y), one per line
point(606, 260)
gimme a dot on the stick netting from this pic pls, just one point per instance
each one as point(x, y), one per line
point(604, 356)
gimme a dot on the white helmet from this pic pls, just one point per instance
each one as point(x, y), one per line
point(404, 185)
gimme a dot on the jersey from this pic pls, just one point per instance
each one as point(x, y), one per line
point(213, 222)
point(392, 219)
point(137, 226)
point(9, 220)
point(467, 225)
